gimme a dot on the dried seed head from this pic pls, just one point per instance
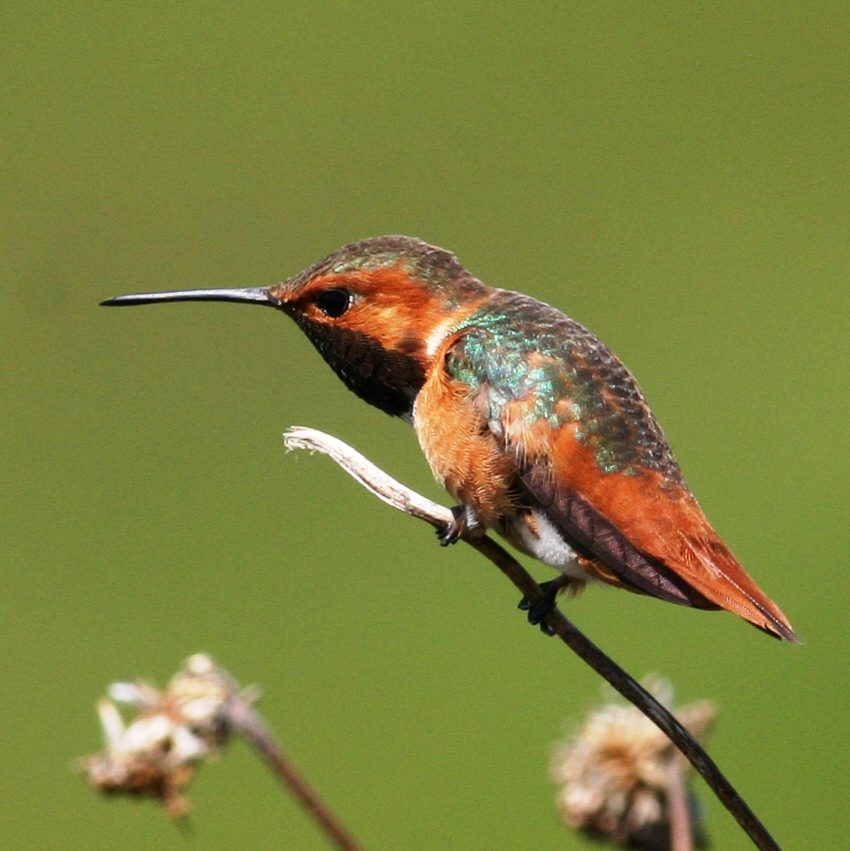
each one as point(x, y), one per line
point(156, 754)
point(614, 774)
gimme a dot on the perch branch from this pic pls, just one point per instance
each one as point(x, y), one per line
point(404, 499)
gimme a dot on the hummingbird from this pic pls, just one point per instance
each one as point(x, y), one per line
point(535, 428)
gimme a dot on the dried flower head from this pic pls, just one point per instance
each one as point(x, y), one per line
point(156, 754)
point(615, 773)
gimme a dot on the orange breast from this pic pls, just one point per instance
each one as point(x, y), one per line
point(461, 451)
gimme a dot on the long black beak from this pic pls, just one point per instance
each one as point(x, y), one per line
point(255, 295)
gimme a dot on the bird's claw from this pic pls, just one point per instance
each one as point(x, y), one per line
point(452, 532)
point(538, 609)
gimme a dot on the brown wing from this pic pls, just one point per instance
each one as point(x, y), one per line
point(650, 533)
point(596, 538)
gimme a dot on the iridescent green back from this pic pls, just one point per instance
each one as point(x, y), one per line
point(518, 348)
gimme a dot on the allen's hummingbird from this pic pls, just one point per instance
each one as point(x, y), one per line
point(527, 419)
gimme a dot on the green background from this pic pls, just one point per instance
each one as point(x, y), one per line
point(676, 176)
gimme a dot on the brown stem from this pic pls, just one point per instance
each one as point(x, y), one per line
point(242, 717)
point(634, 693)
point(404, 499)
point(681, 833)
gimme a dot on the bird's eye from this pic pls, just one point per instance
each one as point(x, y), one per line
point(334, 302)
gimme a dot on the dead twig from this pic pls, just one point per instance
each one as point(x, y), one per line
point(404, 499)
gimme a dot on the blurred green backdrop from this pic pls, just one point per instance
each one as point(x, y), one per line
point(676, 176)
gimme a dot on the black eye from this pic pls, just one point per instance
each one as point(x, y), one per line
point(333, 303)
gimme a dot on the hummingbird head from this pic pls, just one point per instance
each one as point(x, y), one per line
point(376, 310)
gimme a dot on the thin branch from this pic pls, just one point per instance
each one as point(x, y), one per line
point(244, 718)
point(404, 499)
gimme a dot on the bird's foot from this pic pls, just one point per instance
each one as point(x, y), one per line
point(463, 523)
point(538, 609)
